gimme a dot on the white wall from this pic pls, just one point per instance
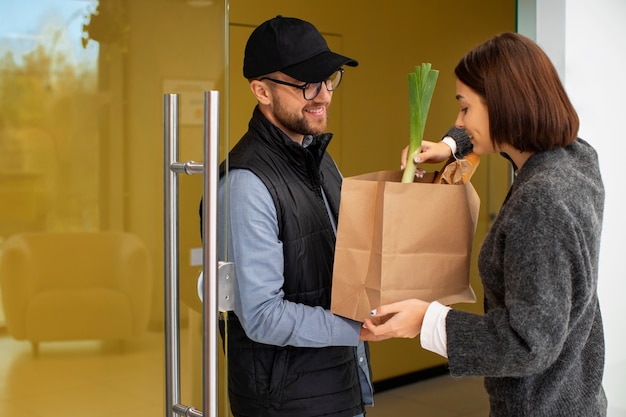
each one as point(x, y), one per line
point(587, 42)
point(594, 74)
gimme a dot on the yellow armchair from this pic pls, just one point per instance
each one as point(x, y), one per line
point(59, 286)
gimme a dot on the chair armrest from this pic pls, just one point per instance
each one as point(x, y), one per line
point(135, 276)
point(18, 280)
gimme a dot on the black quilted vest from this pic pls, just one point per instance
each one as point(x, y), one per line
point(267, 380)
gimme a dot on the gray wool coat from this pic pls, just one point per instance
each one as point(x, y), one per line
point(540, 343)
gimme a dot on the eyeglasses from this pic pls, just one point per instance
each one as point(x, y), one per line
point(311, 90)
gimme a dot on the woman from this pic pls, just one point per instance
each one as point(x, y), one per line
point(540, 343)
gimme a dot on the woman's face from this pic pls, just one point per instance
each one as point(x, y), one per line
point(474, 118)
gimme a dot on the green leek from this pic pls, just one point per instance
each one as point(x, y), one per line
point(421, 87)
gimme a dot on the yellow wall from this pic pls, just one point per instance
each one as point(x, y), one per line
point(372, 102)
point(388, 40)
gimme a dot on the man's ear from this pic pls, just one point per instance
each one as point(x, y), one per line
point(261, 91)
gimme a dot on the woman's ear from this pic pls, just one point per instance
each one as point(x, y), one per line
point(261, 91)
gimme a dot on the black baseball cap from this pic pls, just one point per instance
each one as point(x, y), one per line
point(291, 46)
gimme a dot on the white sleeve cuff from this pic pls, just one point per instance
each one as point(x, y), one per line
point(433, 335)
point(448, 140)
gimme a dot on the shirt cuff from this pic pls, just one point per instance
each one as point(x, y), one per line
point(448, 140)
point(433, 335)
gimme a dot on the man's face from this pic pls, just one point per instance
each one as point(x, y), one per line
point(295, 115)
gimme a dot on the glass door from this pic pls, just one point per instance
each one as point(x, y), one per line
point(81, 157)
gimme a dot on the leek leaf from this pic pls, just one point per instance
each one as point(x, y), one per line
point(421, 88)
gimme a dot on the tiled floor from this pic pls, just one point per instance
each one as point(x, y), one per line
point(442, 396)
point(93, 379)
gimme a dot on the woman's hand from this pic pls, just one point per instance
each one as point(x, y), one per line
point(401, 320)
point(430, 152)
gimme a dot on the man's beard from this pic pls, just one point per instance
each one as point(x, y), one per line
point(296, 122)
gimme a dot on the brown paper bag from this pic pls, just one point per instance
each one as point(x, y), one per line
point(397, 241)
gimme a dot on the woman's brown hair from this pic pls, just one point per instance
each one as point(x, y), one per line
point(527, 104)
